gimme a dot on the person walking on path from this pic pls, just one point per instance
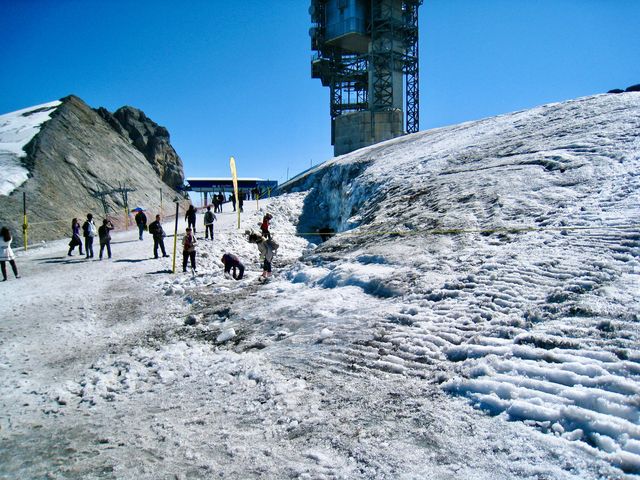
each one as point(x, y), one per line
point(209, 218)
point(156, 230)
point(189, 250)
point(264, 226)
point(190, 218)
point(141, 222)
point(6, 254)
point(267, 249)
point(230, 262)
point(89, 230)
point(220, 202)
point(105, 237)
point(76, 241)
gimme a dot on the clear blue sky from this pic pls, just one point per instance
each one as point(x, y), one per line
point(233, 77)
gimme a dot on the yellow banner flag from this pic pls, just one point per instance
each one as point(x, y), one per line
point(234, 176)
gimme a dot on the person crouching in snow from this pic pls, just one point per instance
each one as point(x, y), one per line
point(189, 250)
point(230, 261)
point(267, 248)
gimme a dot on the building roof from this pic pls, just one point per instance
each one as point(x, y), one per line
point(217, 183)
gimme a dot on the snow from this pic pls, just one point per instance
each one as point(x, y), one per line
point(397, 349)
point(17, 129)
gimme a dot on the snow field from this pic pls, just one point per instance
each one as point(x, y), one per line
point(16, 131)
point(537, 327)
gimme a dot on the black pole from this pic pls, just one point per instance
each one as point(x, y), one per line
point(175, 237)
point(24, 218)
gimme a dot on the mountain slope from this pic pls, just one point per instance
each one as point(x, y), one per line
point(72, 158)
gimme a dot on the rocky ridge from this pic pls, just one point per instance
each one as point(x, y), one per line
point(80, 160)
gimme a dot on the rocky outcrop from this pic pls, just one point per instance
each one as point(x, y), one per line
point(632, 88)
point(79, 162)
point(151, 139)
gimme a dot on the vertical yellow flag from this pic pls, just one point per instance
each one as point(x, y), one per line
point(234, 176)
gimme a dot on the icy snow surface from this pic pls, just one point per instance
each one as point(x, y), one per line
point(16, 130)
point(400, 348)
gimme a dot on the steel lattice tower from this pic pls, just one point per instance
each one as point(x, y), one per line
point(363, 51)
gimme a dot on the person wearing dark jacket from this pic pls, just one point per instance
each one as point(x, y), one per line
point(155, 229)
point(190, 218)
point(76, 241)
point(230, 262)
point(141, 222)
point(89, 231)
point(105, 237)
point(209, 218)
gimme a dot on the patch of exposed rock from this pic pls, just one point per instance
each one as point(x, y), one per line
point(77, 163)
point(149, 138)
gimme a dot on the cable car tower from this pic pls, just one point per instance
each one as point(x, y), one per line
point(366, 52)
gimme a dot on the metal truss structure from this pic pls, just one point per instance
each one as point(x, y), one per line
point(363, 81)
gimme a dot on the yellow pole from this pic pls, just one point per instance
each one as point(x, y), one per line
point(175, 238)
point(234, 175)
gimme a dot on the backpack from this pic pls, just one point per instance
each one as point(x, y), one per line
point(273, 244)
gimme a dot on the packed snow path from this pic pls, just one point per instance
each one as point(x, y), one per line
point(101, 378)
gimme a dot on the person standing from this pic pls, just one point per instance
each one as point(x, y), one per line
point(232, 199)
point(220, 202)
point(264, 226)
point(190, 218)
point(267, 249)
point(230, 261)
point(141, 222)
point(189, 250)
point(104, 233)
point(89, 230)
point(155, 229)
point(75, 237)
point(209, 218)
point(6, 254)
point(241, 201)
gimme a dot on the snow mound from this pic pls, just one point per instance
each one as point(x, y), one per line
point(505, 252)
point(17, 129)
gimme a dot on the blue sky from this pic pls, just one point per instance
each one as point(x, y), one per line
point(233, 78)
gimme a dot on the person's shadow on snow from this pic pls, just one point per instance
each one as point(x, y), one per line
point(62, 260)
